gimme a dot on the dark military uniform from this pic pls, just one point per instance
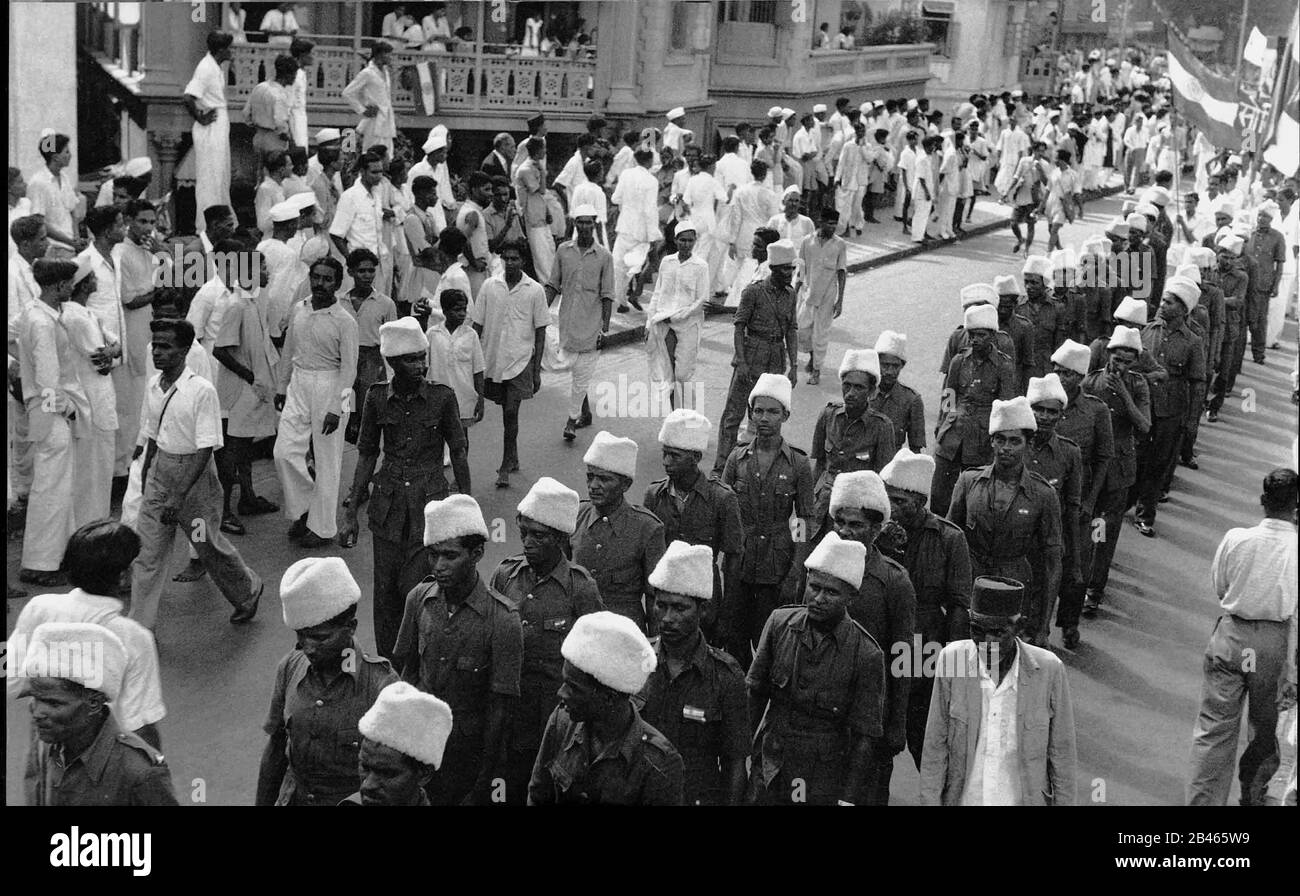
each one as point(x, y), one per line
point(1003, 538)
point(1086, 423)
point(1049, 325)
point(1158, 247)
point(1121, 473)
point(766, 319)
point(1091, 312)
point(620, 551)
point(844, 445)
point(824, 691)
point(906, 410)
point(1265, 250)
point(642, 769)
point(1059, 461)
point(547, 607)
point(1022, 337)
point(962, 436)
point(703, 713)
point(1235, 283)
point(1211, 323)
point(1180, 353)
point(422, 799)
point(462, 654)
point(709, 514)
point(958, 342)
point(767, 500)
point(320, 719)
point(937, 561)
point(885, 606)
point(412, 430)
point(117, 769)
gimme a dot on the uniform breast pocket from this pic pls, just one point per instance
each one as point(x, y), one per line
point(699, 728)
point(560, 624)
point(381, 501)
point(347, 744)
point(471, 672)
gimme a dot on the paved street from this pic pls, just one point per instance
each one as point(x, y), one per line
point(1134, 681)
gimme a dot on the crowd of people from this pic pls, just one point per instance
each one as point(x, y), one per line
point(759, 630)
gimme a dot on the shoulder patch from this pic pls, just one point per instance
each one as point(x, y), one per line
point(898, 567)
point(378, 387)
point(797, 450)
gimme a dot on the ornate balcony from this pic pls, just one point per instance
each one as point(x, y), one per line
point(490, 78)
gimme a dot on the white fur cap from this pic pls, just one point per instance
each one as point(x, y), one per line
point(551, 503)
point(773, 385)
point(862, 489)
point(1190, 271)
point(981, 317)
point(402, 337)
point(685, 429)
point(83, 652)
point(316, 589)
point(1125, 337)
point(1073, 356)
point(613, 453)
point(1038, 264)
point(977, 293)
point(840, 559)
point(1136, 221)
point(610, 648)
point(1013, 414)
point(1231, 243)
point(1046, 388)
point(1005, 285)
point(909, 471)
point(453, 517)
point(409, 721)
point(1185, 290)
point(1131, 311)
point(893, 343)
point(685, 569)
point(864, 360)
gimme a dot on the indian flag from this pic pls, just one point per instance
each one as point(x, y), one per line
point(1209, 101)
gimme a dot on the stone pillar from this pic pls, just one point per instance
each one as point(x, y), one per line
point(166, 152)
point(616, 58)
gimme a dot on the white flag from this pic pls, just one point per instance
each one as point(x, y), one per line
point(1256, 51)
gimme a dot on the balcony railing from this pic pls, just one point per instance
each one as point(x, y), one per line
point(487, 78)
point(869, 66)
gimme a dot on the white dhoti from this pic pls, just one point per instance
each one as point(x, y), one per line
point(128, 388)
point(581, 366)
point(944, 211)
point(848, 202)
point(20, 449)
point(541, 242)
point(1278, 307)
point(94, 455)
point(310, 396)
point(50, 515)
point(920, 217)
point(211, 165)
point(623, 246)
point(675, 370)
point(900, 196)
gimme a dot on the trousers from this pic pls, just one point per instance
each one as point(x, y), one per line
point(1278, 307)
point(1228, 682)
point(1071, 598)
point(1257, 305)
point(92, 476)
point(20, 448)
point(1111, 504)
point(310, 396)
point(1155, 459)
point(129, 389)
point(674, 363)
point(541, 242)
point(921, 209)
point(584, 366)
point(399, 566)
point(848, 202)
point(823, 319)
point(50, 515)
point(200, 517)
point(761, 356)
point(944, 211)
point(624, 244)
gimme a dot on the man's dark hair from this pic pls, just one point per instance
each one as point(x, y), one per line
point(182, 330)
point(25, 229)
point(1280, 491)
point(587, 139)
point(500, 181)
point(1164, 178)
point(642, 156)
point(229, 246)
point(97, 554)
point(49, 271)
point(536, 146)
point(101, 217)
point(358, 255)
point(768, 235)
point(53, 144)
point(333, 264)
point(593, 169)
point(515, 246)
point(450, 297)
point(328, 155)
point(135, 206)
point(215, 214)
point(758, 169)
point(379, 47)
point(366, 159)
point(285, 65)
point(452, 241)
point(479, 180)
point(730, 144)
point(219, 40)
point(631, 137)
point(422, 183)
point(300, 46)
point(1064, 155)
point(275, 159)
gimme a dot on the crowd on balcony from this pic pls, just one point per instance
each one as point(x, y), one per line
point(382, 301)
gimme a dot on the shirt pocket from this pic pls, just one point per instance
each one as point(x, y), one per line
point(381, 501)
point(700, 726)
point(347, 747)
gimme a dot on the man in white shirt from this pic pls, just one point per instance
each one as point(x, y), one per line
point(370, 94)
point(391, 29)
point(360, 216)
point(732, 171)
point(906, 167)
point(674, 134)
point(638, 234)
point(205, 98)
point(510, 318)
point(752, 206)
point(279, 25)
point(53, 193)
point(1254, 575)
point(318, 368)
point(285, 268)
point(1000, 730)
point(434, 164)
point(674, 319)
point(702, 197)
point(573, 175)
point(301, 51)
point(182, 422)
point(29, 237)
point(270, 192)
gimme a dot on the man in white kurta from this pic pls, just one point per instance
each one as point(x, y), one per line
point(359, 218)
point(752, 206)
point(637, 230)
point(93, 454)
point(674, 319)
point(205, 97)
point(370, 94)
point(703, 197)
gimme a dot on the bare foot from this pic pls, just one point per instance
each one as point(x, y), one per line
point(191, 573)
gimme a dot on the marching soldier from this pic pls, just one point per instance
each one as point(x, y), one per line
point(402, 738)
point(773, 482)
point(1059, 461)
point(1013, 324)
point(976, 377)
point(617, 541)
point(1178, 351)
point(549, 593)
point(849, 435)
point(1235, 284)
point(412, 420)
point(1085, 422)
point(81, 757)
point(694, 507)
point(980, 294)
point(1213, 302)
point(937, 561)
point(1046, 316)
point(462, 640)
point(1128, 398)
point(322, 689)
point(596, 748)
point(696, 694)
point(1009, 514)
point(817, 690)
point(901, 404)
point(1131, 314)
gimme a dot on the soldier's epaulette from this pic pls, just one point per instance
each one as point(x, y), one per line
point(716, 479)
point(501, 599)
point(1034, 474)
point(140, 745)
point(862, 629)
point(1067, 440)
point(382, 384)
point(796, 449)
point(890, 561)
point(643, 511)
point(944, 521)
point(726, 659)
point(1088, 396)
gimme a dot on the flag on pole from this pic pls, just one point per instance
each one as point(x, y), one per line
point(1209, 100)
point(1282, 141)
point(1256, 52)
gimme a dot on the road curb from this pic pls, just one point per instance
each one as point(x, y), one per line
point(637, 334)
